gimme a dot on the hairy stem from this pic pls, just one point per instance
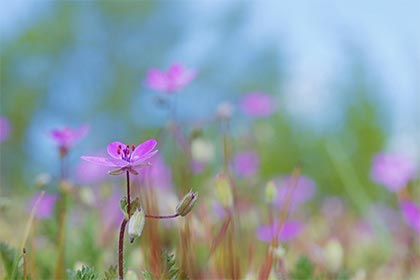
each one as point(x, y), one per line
point(128, 194)
point(161, 217)
point(121, 250)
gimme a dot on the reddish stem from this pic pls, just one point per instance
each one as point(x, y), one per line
point(128, 194)
point(121, 251)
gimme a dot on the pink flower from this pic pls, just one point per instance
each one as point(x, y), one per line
point(87, 173)
point(126, 157)
point(4, 129)
point(289, 230)
point(247, 163)
point(175, 78)
point(411, 213)
point(303, 191)
point(45, 207)
point(110, 212)
point(159, 174)
point(392, 170)
point(67, 136)
point(257, 104)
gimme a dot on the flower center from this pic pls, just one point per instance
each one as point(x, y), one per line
point(125, 152)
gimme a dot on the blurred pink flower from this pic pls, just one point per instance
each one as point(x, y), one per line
point(67, 136)
point(289, 230)
point(392, 170)
point(246, 163)
point(257, 104)
point(4, 129)
point(158, 175)
point(411, 214)
point(110, 214)
point(303, 191)
point(87, 173)
point(126, 158)
point(175, 78)
point(45, 207)
point(218, 210)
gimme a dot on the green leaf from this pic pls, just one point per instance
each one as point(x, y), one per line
point(11, 261)
point(303, 269)
point(146, 275)
point(171, 269)
point(86, 273)
point(111, 273)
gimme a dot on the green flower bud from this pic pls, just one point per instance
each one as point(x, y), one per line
point(136, 225)
point(123, 207)
point(223, 191)
point(186, 204)
point(270, 192)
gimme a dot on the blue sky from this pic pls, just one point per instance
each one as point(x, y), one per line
point(311, 33)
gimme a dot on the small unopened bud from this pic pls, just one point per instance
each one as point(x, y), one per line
point(202, 150)
point(123, 206)
point(270, 192)
point(333, 255)
point(186, 204)
point(131, 275)
point(136, 225)
point(223, 191)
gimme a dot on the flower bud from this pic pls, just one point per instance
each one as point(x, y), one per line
point(202, 150)
point(270, 192)
point(186, 204)
point(131, 275)
point(223, 191)
point(136, 225)
point(123, 207)
point(333, 255)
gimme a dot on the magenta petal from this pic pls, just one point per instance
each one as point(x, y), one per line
point(105, 161)
point(143, 149)
point(265, 233)
point(175, 71)
point(257, 104)
point(246, 163)
point(45, 206)
point(4, 129)
point(393, 171)
point(112, 149)
point(144, 158)
point(67, 136)
point(303, 191)
point(156, 80)
point(290, 230)
point(411, 213)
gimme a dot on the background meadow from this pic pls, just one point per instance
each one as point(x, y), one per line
point(296, 123)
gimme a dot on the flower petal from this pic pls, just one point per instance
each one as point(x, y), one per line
point(156, 80)
point(105, 161)
point(143, 149)
point(144, 158)
point(113, 149)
